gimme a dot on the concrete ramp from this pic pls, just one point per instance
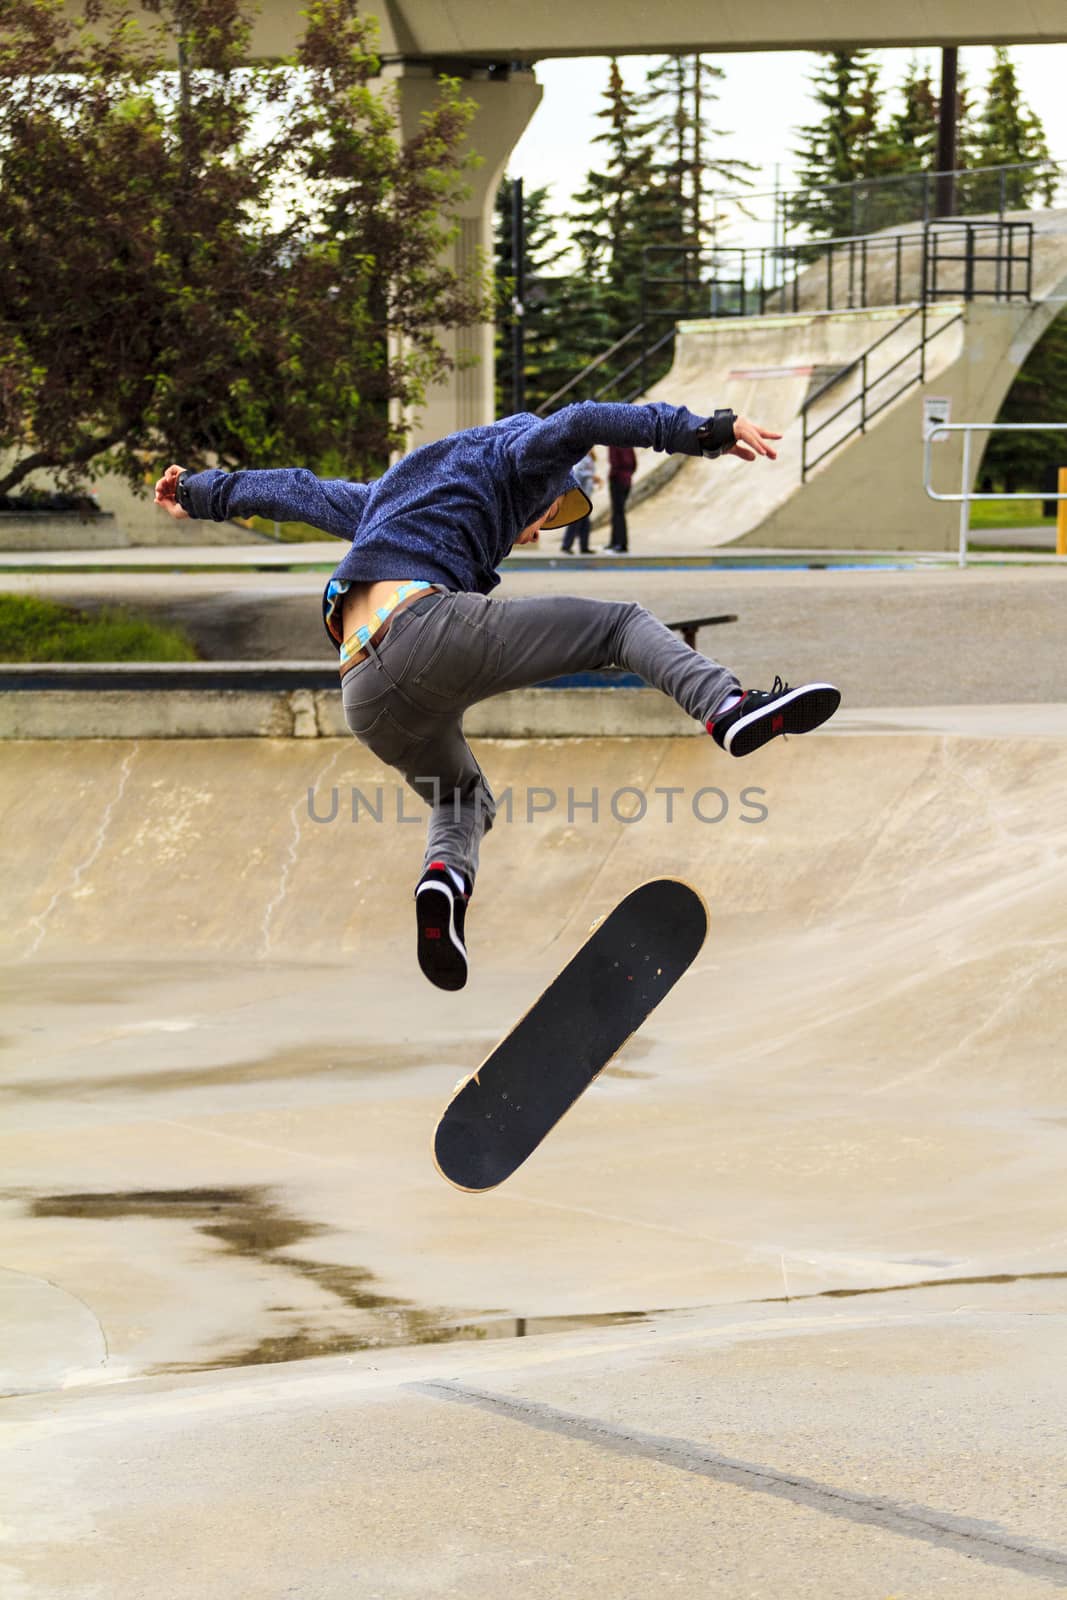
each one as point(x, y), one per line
point(765, 368)
point(868, 492)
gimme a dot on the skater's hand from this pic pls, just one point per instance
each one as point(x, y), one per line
point(166, 490)
point(751, 441)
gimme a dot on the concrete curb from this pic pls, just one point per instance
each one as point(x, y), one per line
point(270, 556)
point(286, 700)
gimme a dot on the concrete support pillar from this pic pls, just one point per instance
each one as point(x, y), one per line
point(505, 106)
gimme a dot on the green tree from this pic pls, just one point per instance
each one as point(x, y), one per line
point(909, 154)
point(968, 155)
point(913, 129)
point(565, 325)
point(625, 208)
point(1007, 133)
point(1017, 461)
point(847, 144)
point(180, 284)
point(679, 95)
point(620, 209)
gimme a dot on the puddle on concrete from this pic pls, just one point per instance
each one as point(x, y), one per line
point(921, 1283)
point(290, 1062)
point(251, 1223)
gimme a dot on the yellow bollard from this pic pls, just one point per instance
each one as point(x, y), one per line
point(1061, 516)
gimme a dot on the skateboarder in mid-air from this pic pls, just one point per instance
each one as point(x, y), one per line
point(419, 641)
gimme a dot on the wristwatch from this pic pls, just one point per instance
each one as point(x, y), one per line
point(717, 434)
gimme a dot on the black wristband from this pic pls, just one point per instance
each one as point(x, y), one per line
point(180, 494)
point(717, 434)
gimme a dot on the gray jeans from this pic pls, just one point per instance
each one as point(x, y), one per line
point(445, 652)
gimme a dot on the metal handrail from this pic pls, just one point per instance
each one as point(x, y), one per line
point(646, 353)
point(965, 496)
point(852, 365)
point(867, 190)
point(592, 367)
point(928, 237)
point(861, 361)
point(860, 399)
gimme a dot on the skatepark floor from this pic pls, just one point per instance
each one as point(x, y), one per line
point(777, 1310)
point(888, 638)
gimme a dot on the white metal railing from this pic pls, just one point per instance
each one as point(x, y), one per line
point(966, 494)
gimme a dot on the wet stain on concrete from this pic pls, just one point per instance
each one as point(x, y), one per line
point(635, 1049)
point(302, 1062)
point(252, 1224)
point(529, 1327)
point(922, 1283)
point(60, 983)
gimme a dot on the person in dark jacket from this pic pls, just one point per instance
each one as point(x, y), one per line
point(622, 464)
point(419, 639)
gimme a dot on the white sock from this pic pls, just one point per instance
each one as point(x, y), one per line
point(729, 703)
point(457, 879)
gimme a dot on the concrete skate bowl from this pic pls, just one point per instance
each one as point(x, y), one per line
point(221, 1068)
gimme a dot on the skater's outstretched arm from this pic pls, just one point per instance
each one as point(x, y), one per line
point(570, 433)
point(284, 494)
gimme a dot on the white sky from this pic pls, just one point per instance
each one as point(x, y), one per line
point(762, 100)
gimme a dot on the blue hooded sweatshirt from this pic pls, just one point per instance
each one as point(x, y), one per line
point(449, 512)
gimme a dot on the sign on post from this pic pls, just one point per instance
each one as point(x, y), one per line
point(935, 414)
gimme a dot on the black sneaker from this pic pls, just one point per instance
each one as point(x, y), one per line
point(440, 910)
point(761, 714)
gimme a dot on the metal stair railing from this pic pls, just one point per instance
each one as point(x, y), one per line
point(868, 412)
point(548, 405)
point(1005, 287)
point(1013, 280)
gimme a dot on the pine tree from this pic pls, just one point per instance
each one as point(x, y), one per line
point(621, 295)
point(1009, 134)
point(680, 92)
point(1016, 461)
point(624, 208)
point(614, 207)
point(911, 152)
point(565, 323)
point(914, 127)
point(967, 152)
point(848, 144)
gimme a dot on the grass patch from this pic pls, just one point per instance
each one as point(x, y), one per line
point(286, 532)
point(1009, 514)
point(39, 630)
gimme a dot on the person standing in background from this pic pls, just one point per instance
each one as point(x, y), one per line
point(587, 479)
point(622, 464)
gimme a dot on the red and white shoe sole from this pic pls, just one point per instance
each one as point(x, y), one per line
point(442, 956)
point(797, 711)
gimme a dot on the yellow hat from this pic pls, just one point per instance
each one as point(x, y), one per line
point(574, 505)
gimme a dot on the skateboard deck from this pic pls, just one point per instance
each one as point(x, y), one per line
point(635, 956)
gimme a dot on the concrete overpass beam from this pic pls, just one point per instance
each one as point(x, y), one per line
point(506, 101)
